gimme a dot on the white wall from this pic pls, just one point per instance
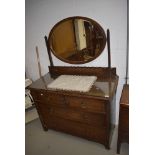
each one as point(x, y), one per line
point(41, 15)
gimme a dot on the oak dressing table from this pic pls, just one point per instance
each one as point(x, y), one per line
point(83, 114)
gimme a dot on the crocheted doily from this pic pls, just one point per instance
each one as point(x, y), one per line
point(73, 83)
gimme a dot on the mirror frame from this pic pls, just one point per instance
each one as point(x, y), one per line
point(78, 62)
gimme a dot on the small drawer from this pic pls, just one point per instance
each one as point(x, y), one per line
point(55, 99)
point(49, 98)
point(90, 105)
point(39, 95)
point(94, 119)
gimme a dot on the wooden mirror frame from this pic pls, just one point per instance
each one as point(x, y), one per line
point(76, 62)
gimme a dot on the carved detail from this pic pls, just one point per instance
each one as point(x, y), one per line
point(100, 72)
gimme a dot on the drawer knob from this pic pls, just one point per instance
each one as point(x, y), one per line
point(41, 94)
point(83, 105)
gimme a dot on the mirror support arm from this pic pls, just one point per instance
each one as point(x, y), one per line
point(108, 45)
point(48, 50)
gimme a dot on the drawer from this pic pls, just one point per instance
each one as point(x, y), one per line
point(74, 124)
point(97, 134)
point(91, 105)
point(67, 126)
point(39, 95)
point(55, 99)
point(49, 98)
point(94, 119)
point(74, 115)
point(78, 129)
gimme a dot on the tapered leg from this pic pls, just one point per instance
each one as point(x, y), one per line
point(45, 128)
point(107, 147)
point(118, 146)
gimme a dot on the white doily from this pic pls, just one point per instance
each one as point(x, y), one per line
point(73, 83)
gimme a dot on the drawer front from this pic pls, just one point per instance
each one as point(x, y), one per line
point(91, 105)
point(97, 134)
point(86, 104)
point(94, 119)
point(78, 129)
point(39, 95)
point(67, 126)
point(71, 114)
point(55, 99)
point(49, 98)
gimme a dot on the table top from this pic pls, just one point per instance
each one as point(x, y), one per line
point(102, 88)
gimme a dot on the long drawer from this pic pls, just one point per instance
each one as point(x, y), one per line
point(78, 129)
point(86, 104)
point(94, 119)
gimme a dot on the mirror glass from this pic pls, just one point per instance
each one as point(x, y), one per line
point(77, 40)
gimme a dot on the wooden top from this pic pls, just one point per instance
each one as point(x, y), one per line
point(125, 95)
point(102, 88)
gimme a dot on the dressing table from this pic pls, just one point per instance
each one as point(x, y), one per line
point(77, 40)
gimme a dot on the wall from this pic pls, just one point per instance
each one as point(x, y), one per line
point(41, 16)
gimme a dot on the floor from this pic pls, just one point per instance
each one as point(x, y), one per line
point(39, 142)
point(30, 115)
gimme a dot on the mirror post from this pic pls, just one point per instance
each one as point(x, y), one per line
point(109, 58)
point(48, 50)
point(108, 45)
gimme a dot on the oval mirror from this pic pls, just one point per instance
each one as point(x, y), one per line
point(77, 40)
